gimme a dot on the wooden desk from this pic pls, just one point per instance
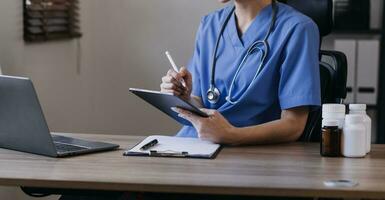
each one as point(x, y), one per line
point(279, 170)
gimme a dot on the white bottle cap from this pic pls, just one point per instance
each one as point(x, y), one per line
point(333, 108)
point(327, 122)
point(354, 119)
point(331, 115)
point(334, 111)
point(357, 107)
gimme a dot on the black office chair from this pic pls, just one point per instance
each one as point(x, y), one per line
point(333, 64)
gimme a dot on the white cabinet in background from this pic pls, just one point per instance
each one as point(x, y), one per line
point(367, 71)
point(348, 47)
point(363, 66)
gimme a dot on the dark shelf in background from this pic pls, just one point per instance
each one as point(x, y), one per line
point(381, 91)
point(358, 32)
point(372, 107)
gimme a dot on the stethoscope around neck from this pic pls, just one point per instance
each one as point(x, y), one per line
point(213, 93)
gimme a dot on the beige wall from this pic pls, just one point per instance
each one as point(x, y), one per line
point(122, 47)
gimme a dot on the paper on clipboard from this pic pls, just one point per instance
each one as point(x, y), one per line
point(176, 147)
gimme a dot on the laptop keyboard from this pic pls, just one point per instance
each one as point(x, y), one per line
point(60, 147)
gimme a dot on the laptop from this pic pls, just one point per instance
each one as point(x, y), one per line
point(24, 128)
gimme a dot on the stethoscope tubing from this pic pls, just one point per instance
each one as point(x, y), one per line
point(213, 90)
point(259, 69)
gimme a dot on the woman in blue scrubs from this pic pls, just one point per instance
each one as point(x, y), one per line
point(266, 89)
point(266, 74)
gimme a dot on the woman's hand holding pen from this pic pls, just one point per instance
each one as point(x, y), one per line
point(177, 83)
point(215, 127)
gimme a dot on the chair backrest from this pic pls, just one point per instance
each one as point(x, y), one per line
point(337, 60)
point(333, 75)
point(333, 72)
point(320, 11)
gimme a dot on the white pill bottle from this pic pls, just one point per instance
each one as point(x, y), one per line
point(354, 136)
point(360, 109)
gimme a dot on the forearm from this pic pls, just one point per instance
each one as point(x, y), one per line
point(286, 129)
point(279, 131)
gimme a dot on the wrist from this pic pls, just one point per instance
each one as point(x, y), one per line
point(236, 136)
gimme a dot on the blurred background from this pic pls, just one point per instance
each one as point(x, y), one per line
point(83, 83)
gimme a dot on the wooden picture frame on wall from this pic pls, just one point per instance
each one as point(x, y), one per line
point(46, 20)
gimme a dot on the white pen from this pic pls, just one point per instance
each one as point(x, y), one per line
point(174, 66)
point(171, 61)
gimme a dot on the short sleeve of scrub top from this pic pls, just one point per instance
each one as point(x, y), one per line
point(290, 77)
point(299, 74)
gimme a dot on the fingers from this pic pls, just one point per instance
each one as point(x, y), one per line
point(182, 75)
point(171, 85)
point(199, 123)
point(177, 83)
point(171, 79)
point(187, 77)
point(209, 112)
point(175, 75)
point(185, 73)
point(187, 115)
point(171, 88)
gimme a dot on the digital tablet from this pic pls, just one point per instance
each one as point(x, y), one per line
point(165, 101)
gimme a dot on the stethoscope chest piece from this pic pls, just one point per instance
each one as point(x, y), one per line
point(213, 95)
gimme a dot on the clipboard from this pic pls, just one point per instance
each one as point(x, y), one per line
point(164, 102)
point(169, 146)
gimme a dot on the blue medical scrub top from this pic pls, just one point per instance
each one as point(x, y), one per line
point(290, 76)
